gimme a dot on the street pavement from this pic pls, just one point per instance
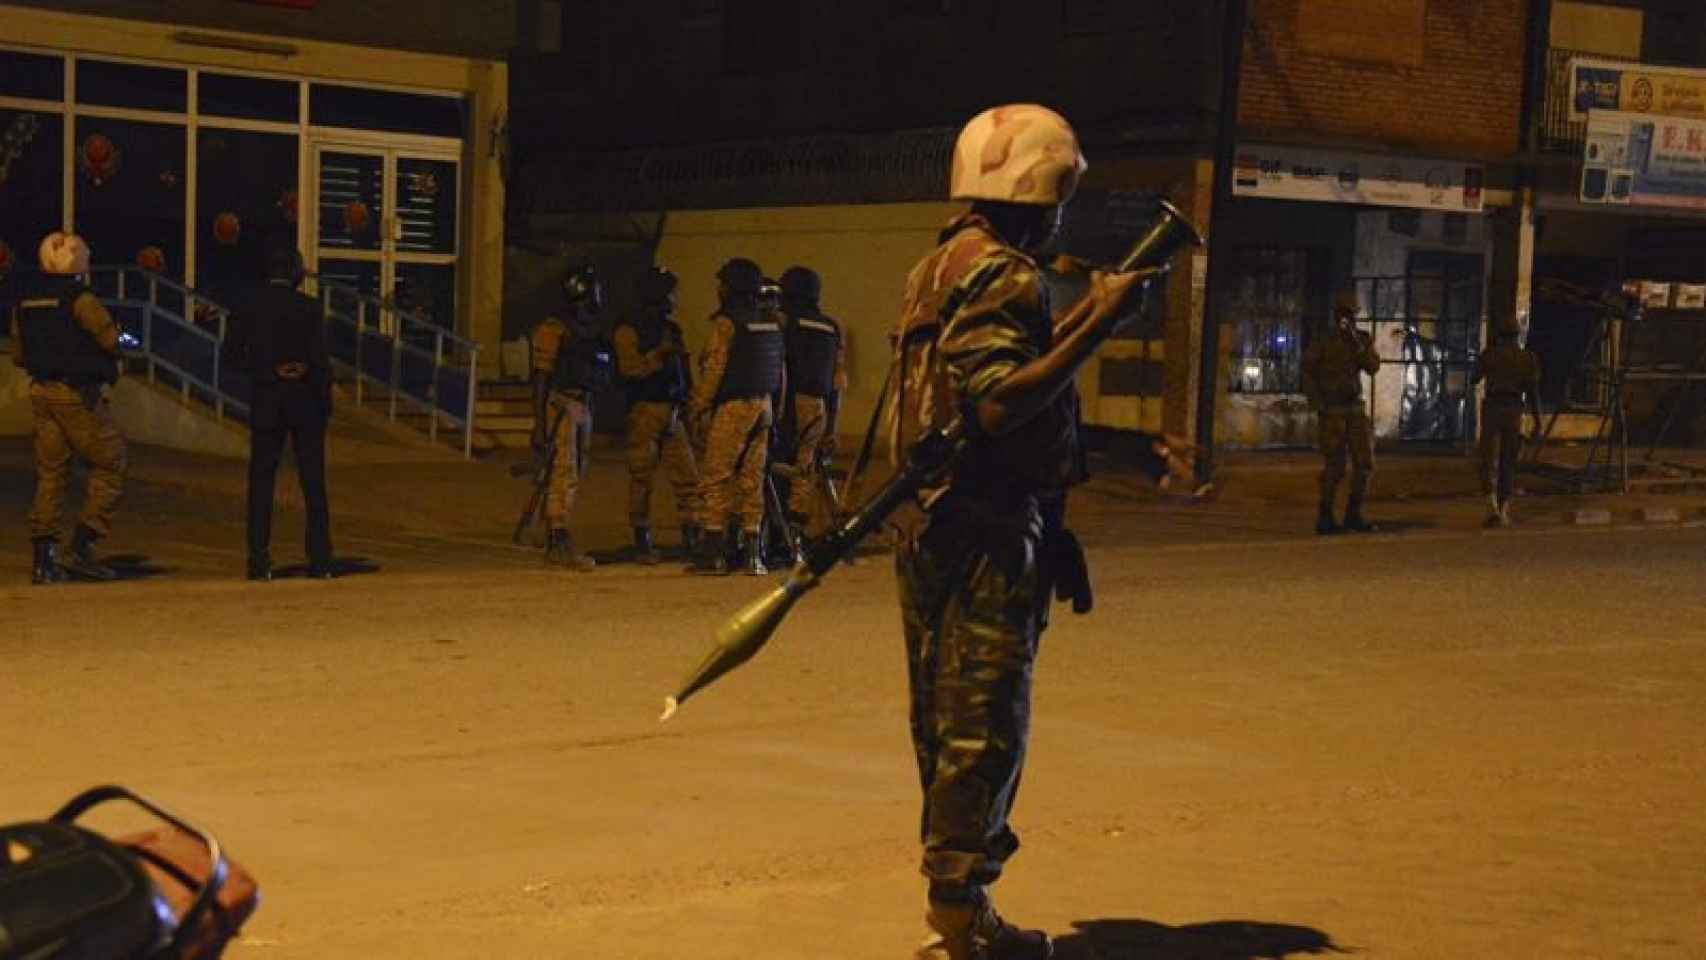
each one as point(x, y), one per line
point(1436, 742)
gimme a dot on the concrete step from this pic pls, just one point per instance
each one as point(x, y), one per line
point(503, 408)
point(505, 424)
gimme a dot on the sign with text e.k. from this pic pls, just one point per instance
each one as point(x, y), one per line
point(1330, 176)
point(1644, 160)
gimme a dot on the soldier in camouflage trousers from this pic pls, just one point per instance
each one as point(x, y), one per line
point(817, 377)
point(1512, 375)
point(1332, 381)
point(652, 361)
point(741, 374)
point(979, 564)
point(68, 344)
point(571, 362)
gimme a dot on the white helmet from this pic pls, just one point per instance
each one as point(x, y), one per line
point(64, 253)
point(1019, 153)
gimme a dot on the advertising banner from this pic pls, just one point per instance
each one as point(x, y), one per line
point(1329, 176)
point(1644, 160)
point(1635, 88)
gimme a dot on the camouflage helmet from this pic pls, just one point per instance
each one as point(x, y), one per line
point(581, 285)
point(63, 253)
point(1019, 153)
point(655, 285)
point(742, 276)
point(801, 285)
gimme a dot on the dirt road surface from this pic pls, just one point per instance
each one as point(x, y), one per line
point(1432, 744)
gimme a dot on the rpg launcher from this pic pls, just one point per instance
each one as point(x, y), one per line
point(744, 634)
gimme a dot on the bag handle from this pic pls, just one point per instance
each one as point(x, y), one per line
point(88, 799)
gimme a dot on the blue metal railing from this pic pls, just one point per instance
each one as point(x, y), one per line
point(416, 361)
point(174, 329)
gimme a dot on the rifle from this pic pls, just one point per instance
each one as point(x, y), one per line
point(741, 637)
point(541, 467)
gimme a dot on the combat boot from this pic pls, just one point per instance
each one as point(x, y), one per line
point(45, 567)
point(645, 552)
point(1495, 513)
point(260, 568)
point(1354, 520)
point(560, 551)
point(976, 932)
point(1325, 525)
point(712, 559)
point(755, 554)
point(81, 561)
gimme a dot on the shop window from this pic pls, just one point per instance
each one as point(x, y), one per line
point(352, 199)
point(1272, 295)
point(108, 84)
point(250, 98)
point(245, 206)
point(32, 181)
point(32, 76)
point(364, 109)
point(130, 192)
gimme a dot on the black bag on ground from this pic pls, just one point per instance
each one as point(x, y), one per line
point(69, 893)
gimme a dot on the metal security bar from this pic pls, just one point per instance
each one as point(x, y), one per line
point(380, 345)
point(176, 331)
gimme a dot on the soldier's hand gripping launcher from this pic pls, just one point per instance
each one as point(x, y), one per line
point(744, 634)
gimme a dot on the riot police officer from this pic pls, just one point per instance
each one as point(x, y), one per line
point(1332, 381)
point(817, 377)
point(742, 370)
point(571, 361)
point(651, 357)
point(278, 337)
point(68, 344)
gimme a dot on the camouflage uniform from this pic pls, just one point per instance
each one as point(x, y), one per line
point(569, 412)
point(973, 585)
point(1511, 373)
point(656, 428)
point(736, 439)
point(74, 420)
point(1332, 380)
point(814, 431)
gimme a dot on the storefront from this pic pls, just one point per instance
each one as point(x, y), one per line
point(193, 153)
point(1407, 234)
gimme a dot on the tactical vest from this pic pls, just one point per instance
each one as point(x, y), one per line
point(813, 340)
point(584, 363)
point(755, 357)
point(669, 383)
point(55, 347)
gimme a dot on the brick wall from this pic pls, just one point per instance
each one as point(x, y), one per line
point(1439, 75)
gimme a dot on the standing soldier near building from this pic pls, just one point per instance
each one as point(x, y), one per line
point(976, 341)
point(1512, 374)
point(278, 337)
point(742, 370)
point(68, 344)
point(571, 361)
point(1332, 380)
point(817, 376)
point(651, 357)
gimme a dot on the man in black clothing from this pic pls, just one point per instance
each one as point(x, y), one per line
point(276, 336)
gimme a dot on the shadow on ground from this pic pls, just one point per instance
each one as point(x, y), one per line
point(1215, 940)
point(341, 567)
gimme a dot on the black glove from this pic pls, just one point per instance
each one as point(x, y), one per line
point(1071, 572)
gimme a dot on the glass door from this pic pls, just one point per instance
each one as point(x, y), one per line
point(386, 223)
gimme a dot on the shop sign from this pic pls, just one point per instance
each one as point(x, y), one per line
point(1644, 160)
point(1326, 176)
point(1635, 88)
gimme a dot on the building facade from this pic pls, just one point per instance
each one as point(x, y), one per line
point(189, 136)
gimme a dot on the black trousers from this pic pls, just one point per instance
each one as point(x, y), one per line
point(293, 413)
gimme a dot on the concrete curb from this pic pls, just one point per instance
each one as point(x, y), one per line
point(1659, 515)
point(1588, 518)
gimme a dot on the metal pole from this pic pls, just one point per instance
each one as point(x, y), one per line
point(396, 370)
point(473, 385)
point(360, 335)
point(1226, 148)
point(432, 386)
